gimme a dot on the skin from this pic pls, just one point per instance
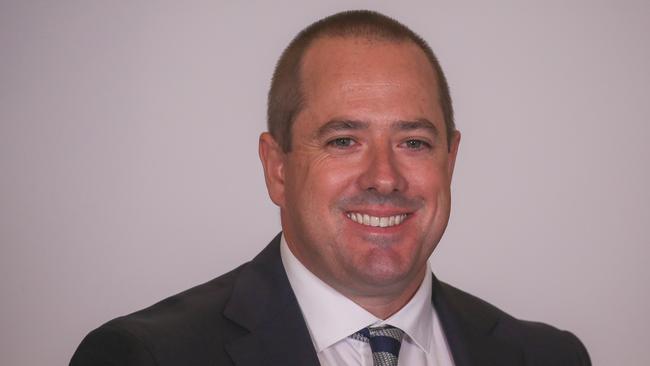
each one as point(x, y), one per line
point(371, 139)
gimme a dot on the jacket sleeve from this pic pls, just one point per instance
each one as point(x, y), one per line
point(111, 346)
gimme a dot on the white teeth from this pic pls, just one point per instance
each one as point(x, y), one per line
point(385, 221)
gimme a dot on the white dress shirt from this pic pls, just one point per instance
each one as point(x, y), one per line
point(331, 318)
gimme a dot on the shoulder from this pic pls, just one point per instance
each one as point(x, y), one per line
point(187, 326)
point(540, 343)
point(194, 326)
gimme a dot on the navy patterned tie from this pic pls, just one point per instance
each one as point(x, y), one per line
point(384, 343)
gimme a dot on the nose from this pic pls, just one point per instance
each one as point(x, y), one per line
point(382, 172)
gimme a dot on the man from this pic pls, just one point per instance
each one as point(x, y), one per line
point(359, 157)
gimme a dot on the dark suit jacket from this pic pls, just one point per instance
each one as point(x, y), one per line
point(250, 316)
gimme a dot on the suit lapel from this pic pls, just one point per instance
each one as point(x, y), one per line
point(468, 325)
point(263, 302)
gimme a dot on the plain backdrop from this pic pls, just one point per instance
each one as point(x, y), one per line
point(129, 168)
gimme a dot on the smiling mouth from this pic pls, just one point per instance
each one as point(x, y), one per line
point(376, 221)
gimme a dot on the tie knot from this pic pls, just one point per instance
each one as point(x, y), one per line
point(384, 342)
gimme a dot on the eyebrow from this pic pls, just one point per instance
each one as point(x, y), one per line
point(337, 125)
point(418, 124)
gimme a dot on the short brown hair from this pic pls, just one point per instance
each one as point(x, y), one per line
point(285, 99)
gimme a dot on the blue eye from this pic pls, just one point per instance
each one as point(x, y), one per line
point(341, 142)
point(416, 144)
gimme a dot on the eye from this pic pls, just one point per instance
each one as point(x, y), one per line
point(414, 144)
point(342, 142)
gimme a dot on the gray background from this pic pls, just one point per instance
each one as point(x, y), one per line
point(129, 169)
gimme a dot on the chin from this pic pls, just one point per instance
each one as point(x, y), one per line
point(385, 269)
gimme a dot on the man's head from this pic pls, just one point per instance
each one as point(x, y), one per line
point(364, 185)
point(286, 96)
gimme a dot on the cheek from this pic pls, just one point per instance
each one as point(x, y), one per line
point(428, 182)
point(433, 186)
point(330, 180)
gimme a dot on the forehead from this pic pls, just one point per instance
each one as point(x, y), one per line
point(374, 79)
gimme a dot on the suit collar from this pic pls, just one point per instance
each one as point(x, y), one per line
point(469, 325)
point(263, 303)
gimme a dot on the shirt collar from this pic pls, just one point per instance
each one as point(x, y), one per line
point(331, 317)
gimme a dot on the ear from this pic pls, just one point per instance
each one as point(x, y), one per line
point(273, 160)
point(454, 142)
